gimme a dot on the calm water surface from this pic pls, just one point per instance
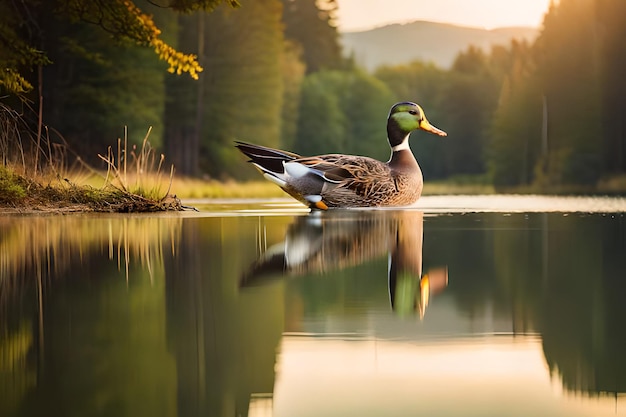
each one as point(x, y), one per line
point(472, 306)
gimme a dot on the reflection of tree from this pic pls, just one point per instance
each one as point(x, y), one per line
point(564, 276)
point(224, 341)
point(51, 246)
point(70, 344)
point(518, 254)
point(582, 318)
point(17, 375)
point(100, 351)
point(107, 340)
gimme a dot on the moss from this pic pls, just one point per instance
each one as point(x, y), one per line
point(11, 186)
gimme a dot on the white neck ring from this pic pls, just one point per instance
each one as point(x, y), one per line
point(403, 146)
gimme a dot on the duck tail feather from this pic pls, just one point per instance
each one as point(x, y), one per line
point(269, 159)
point(250, 149)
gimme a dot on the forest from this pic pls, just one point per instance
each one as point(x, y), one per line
point(203, 73)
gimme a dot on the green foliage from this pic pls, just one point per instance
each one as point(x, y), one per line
point(18, 55)
point(103, 78)
point(344, 112)
point(241, 96)
point(11, 186)
point(23, 31)
point(365, 102)
point(570, 40)
point(522, 112)
point(311, 24)
point(292, 69)
point(611, 15)
point(548, 114)
point(322, 126)
point(97, 87)
point(469, 100)
point(514, 150)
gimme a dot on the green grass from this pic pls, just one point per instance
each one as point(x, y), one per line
point(12, 187)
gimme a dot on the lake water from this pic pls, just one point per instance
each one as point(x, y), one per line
point(472, 306)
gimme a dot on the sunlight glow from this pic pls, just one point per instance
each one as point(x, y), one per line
point(365, 14)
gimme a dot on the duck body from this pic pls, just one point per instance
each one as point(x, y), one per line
point(342, 181)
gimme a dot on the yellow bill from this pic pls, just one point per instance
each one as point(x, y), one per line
point(425, 125)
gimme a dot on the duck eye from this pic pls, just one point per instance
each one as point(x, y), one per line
point(413, 112)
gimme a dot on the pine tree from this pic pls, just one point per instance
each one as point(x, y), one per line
point(514, 150)
point(469, 100)
point(568, 66)
point(97, 87)
point(311, 24)
point(240, 95)
point(343, 112)
point(611, 24)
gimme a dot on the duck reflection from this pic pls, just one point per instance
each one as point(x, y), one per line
point(334, 240)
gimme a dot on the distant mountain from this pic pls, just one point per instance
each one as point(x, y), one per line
point(428, 41)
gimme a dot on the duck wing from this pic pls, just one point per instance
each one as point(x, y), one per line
point(342, 174)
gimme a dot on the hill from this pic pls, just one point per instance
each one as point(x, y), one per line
point(428, 41)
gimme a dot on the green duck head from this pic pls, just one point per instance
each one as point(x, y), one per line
point(404, 118)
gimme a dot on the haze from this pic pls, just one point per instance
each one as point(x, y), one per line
point(356, 15)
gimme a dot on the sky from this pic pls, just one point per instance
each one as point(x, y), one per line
point(365, 14)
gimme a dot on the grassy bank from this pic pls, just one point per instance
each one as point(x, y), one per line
point(136, 184)
point(21, 194)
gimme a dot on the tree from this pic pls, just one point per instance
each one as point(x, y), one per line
point(611, 15)
point(365, 103)
point(322, 126)
point(568, 67)
point(343, 112)
point(22, 32)
point(96, 87)
point(311, 24)
point(514, 152)
point(241, 91)
point(293, 70)
point(88, 60)
point(469, 100)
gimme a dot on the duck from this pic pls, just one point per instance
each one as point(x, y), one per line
point(350, 181)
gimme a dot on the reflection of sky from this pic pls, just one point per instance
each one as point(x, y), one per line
point(496, 375)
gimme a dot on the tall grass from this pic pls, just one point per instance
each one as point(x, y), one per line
point(35, 173)
point(136, 171)
point(37, 155)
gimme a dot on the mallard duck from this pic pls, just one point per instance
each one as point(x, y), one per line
point(337, 181)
